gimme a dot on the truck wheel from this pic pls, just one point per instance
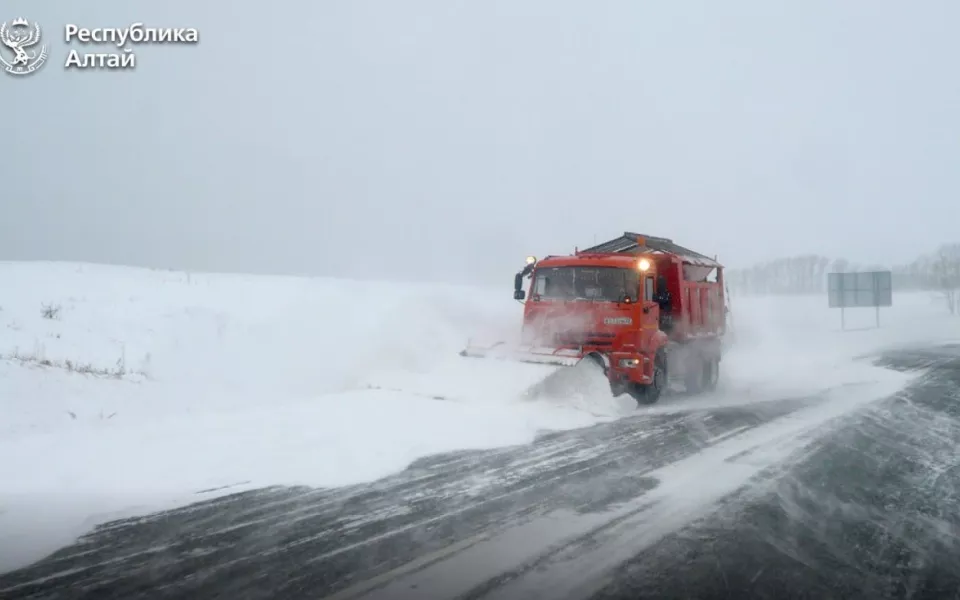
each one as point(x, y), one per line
point(649, 394)
point(703, 376)
point(711, 374)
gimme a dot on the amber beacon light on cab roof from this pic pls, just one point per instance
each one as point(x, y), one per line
point(643, 309)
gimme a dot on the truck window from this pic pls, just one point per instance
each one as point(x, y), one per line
point(648, 289)
point(605, 284)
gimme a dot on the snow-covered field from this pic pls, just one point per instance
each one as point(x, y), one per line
point(126, 390)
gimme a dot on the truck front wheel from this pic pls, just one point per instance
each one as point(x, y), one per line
point(650, 393)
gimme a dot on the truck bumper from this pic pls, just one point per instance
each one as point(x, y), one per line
point(630, 367)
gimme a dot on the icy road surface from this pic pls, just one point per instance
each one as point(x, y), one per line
point(765, 501)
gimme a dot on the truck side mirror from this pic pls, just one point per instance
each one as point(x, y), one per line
point(518, 293)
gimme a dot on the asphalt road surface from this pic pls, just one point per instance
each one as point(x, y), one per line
point(869, 508)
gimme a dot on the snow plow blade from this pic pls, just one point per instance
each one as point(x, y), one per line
point(561, 382)
point(528, 354)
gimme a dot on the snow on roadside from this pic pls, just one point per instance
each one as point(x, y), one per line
point(228, 380)
point(791, 345)
point(235, 381)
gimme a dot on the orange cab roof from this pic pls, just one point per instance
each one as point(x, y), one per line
point(638, 243)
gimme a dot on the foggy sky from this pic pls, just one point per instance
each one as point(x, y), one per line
point(447, 140)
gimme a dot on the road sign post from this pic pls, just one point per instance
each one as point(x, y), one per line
point(871, 289)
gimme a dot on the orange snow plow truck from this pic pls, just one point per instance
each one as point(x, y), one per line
point(641, 308)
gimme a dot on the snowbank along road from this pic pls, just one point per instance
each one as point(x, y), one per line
point(183, 436)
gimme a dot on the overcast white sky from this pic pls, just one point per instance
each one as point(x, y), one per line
point(446, 139)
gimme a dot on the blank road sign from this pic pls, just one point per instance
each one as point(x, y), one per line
point(860, 290)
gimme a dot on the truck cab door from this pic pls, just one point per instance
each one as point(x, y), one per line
point(651, 310)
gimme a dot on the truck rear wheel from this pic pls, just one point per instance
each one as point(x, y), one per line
point(650, 393)
point(712, 376)
point(703, 376)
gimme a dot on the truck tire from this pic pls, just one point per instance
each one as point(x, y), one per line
point(649, 394)
point(712, 376)
point(703, 376)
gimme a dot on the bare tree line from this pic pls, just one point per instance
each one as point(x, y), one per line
point(937, 272)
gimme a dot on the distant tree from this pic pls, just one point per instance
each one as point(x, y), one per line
point(946, 268)
point(804, 274)
point(840, 265)
point(807, 274)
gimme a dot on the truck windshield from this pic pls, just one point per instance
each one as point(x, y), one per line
point(603, 284)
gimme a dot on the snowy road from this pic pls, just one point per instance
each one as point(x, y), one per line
point(687, 503)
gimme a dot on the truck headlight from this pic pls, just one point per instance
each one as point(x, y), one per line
point(629, 363)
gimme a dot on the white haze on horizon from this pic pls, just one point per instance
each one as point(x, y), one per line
point(440, 140)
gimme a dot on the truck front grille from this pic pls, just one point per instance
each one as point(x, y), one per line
point(586, 338)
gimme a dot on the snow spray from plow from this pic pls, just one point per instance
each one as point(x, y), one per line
point(566, 377)
point(580, 383)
